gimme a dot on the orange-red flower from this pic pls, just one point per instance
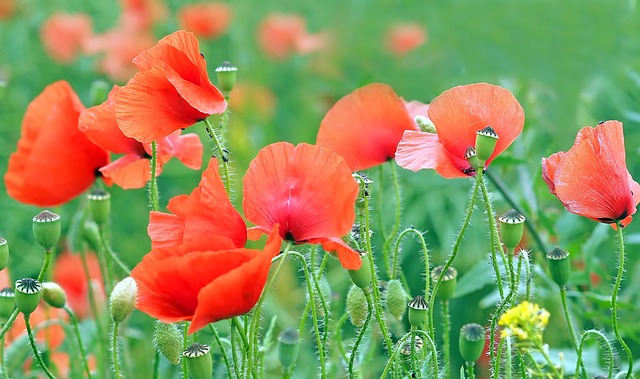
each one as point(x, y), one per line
point(7, 8)
point(591, 179)
point(207, 213)
point(308, 191)
point(206, 20)
point(142, 14)
point(365, 126)
point(68, 272)
point(281, 35)
point(63, 35)
point(55, 161)
point(171, 91)
point(133, 169)
point(458, 114)
point(404, 38)
point(198, 283)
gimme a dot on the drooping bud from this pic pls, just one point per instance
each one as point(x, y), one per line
point(168, 341)
point(199, 361)
point(4, 253)
point(28, 294)
point(54, 295)
point(471, 342)
point(405, 351)
point(356, 306)
point(396, 299)
point(511, 228)
point(471, 157)
point(448, 284)
point(46, 229)
point(227, 75)
point(425, 124)
point(559, 266)
point(99, 206)
point(288, 346)
point(123, 299)
point(418, 312)
point(99, 92)
point(362, 276)
point(7, 303)
point(486, 140)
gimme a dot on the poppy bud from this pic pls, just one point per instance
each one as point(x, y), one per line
point(7, 303)
point(53, 294)
point(471, 157)
point(396, 299)
point(417, 312)
point(4, 253)
point(425, 124)
point(46, 229)
point(362, 276)
point(99, 206)
point(168, 341)
point(123, 299)
point(471, 342)
point(227, 75)
point(356, 306)
point(511, 228)
point(288, 346)
point(448, 283)
point(199, 361)
point(559, 266)
point(91, 235)
point(99, 92)
point(486, 140)
point(28, 294)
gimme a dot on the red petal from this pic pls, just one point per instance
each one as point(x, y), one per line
point(205, 20)
point(187, 148)
point(129, 171)
point(549, 166)
point(349, 258)
point(420, 150)
point(165, 229)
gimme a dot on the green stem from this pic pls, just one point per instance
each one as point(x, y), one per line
point(35, 350)
point(97, 317)
point(3, 366)
point(498, 358)
point(338, 336)
point(219, 149)
point(572, 332)
point(605, 342)
point(508, 358)
point(614, 302)
point(361, 333)
point(114, 348)
point(153, 183)
point(425, 254)
point(396, 220)
point(9, 322)
point(536, 365)
point(510, 268)
point(493, 232)
point(234, 350)
point(527, 271)
point(446, 325)
point(471, 371)
point(76, 329)
point(48, 254)
point(112, 254)
point(235, 321)
point(553, 368)
point(156, 364)
point(394, 353)
point(223, 351)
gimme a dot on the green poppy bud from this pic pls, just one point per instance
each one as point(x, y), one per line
point(7, 303)
point(28, 294)
point(46, 229)
point(288, 346)
point(471, 157)
point(4, 253)
point(54, 295)
point(405, 351)
point(199, 361)
point(418, 312)
point(356, 306)
point(168, 341)
point(99, 92)
point(99, 206)
point(559, 266)
point(471, 342)
point(227, 75)
point(362, 276)
point(486, 140)
point(425, 124)
point(123, 299)
point(396, 299)
point(91, 235)
point(448, 284)
point(511, 228)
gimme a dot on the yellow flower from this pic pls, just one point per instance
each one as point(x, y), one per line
point(526, 321)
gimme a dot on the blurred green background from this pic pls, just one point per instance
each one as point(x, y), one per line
point(570, 64)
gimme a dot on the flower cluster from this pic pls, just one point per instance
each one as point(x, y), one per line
point(526, 322)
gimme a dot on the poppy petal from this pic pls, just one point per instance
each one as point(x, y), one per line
point(130, 171)
point(421, 150)
point(549, 166)
point(187, 148)
point(349, 258)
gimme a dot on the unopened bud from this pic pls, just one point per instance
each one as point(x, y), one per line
point(123, 299)
point(559, 266)
point(471, 157)
point(418, 312)
point(362, 276)
point(7, 303)
point(199, 361)
point(486, 140)
point(511, 228)
point(288, 346)
point(396, 299)
point(53, 294)
point(425, 124)
point(4, 253)
point(99, 206)
point(356, 306)
point(28, 294)
point(227, 75)
point(168, 341)
point(448, 284)
point(471, 342)
point(46, 229)
point(91, 235)
point(418, 352)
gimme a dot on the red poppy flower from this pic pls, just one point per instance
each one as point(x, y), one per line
point(365, 126)
point(458, 114)
point(207, 20)
point(404, 38)
point(133, 169)
point(63, 35)
point(68, 272)
point(5, 281)
point(308, 191)
point(281, 35)
point(192, 282)
point(142, 14)
point(206, 213)
point(172, 91)
point(55, 161)
point(591, 179)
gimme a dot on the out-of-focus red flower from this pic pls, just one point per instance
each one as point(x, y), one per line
point(591, 179)
point(206, 20)
point(5, 280)
point(458, 114)
point(365, 126)
point(308, 191)
point(133, 169)
point(68, 272)
point(403, 38)
point(172, 91)
point(281, 35)
point(63, 35)
point(55, 161)
point(7, 8)
point(142, 14)
point(207, 213)
point(252, 99)
point(197, 283)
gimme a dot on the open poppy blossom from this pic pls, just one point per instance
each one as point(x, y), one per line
point(365, 126)
point(404, 38)
point(591, 179)
point(55, 161)
point(458, 114)
point(192, 282)
point(308, 191)
point(207, 213)
point(63, 35)
point(207, 20)
point(133, 169)
point(171, 91)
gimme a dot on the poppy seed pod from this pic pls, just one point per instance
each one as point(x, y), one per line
point(99, 92)
point(396, 299)
point(511, 228)
point(288, 346)
point(28, 294)
point(486, 141)
point(405, 351)
point(53, 294)
point(417, 312)
point(4, 253)
point(471, 157)
point(7, 303)
point(356, 306)
point(362, 276)
point(46, 229)
point(99, 206)
point(199, 361)
point(448, 284)
point(227, 75)
point(559, 266)
point(168, 341)
point(123, 299)
point(471, 342)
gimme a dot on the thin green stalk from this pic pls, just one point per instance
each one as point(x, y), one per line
point(507, 356)
point(493, 232)
point(536, 365)
point(105, 270)
point(614, 302)
point(223, 351)
point(9, 322)
point(544, 354)
point(153, 183)
point(572, 332)
point(338, 336)
point(394, 354)
point(3, 367)
point(101, 336)
point(360, 336)
point(48, 254)
point(234, 350)
point(156, 364)
point(498, 358)
point(425, 254)
point(527, 271)
point(446, 340)
point(76, 329)
point(606, 343)
point(114, 257)
point(114, 350)
point(35, 350)
point(396, 219)
point(510, 268)
point(219, 149)
point(471, 370)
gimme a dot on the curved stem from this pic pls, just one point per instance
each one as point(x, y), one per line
point(493, 232)
point(220, 150)
point(76, 329)
point(45, 265)
point(614, 302)
point(553, 368)
point(216, 338)
point(572, 332)
point(9, 322)
point(114, 257)
point(361, 334)
point(604, 339)
point(114, 348)
point(396, 220)
point(394, 354)
point(153, 182)
point(35, 350)
point(425, 253)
